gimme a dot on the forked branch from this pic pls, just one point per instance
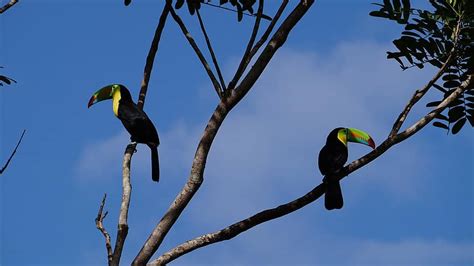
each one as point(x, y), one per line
point(197, 170)
point(99, 223)
point(239, 227)
point(211, 51)
point(198, 52)
point(246, 57)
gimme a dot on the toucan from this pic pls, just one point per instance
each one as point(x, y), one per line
point(135, 120)
point(333, 156)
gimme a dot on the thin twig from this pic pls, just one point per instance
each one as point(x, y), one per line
point(239, 227)
point(150, 59)
point(199, 162)
point(211, 51)
point(13, 153)
point(269, 30)
point(246, 57)
point(100, 225)
point(8, 5)
point(198, 52)
point(421, 92)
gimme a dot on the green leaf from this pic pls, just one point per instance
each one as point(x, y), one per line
point(433, 104)
point(441, 125)
point(436, 63)
point(406, 10)
point(450, 77)
point(379, 14)
point(438, 87)
point(239, 13)
point(441, 117)
point(455, 113)
point(179, 4)
point(451, 84)
point(471, 120)
point(458, 125)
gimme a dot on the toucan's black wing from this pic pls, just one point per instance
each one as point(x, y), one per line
point(331, 159)
point(138, 124)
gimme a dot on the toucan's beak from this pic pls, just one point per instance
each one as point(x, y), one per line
point(103, 94)
point(359, 136)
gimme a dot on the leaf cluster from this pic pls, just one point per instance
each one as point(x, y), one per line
point(434, 37)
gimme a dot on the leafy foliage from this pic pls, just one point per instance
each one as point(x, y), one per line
point(430, 37)
point(240, 5)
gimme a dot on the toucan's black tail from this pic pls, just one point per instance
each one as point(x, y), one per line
point(333, 197)
point(155, 164)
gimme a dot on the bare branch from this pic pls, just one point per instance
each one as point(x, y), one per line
point(8, 5)
point(270, 214)
point(151, 54)
point(122, 230)
point(273, 45)
point(390, 141)
point(99, 224)
point(196, 176)
point(211, 51)
point(269, 30)
point(198, 52)
point(13, 153)
point(246, 57)
point(240, 227)
point(421, 92)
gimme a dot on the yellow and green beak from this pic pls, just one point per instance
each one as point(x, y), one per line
point(105, 93)
point(359, 136)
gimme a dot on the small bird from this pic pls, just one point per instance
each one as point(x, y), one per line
point(135, 120)
point(333, 156)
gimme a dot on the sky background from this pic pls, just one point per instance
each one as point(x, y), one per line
point(412, 206)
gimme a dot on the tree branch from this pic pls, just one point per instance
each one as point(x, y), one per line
point(246, 57)
point(8, 5)
point(239, 227)
point(269, 30)
point(196, 176)
point(13, 153)
point(420, 93)
point(198, 52)
point(150, 59)
point(99, 224)
point(211, 51)
point(122, 230)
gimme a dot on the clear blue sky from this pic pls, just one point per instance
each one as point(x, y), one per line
point(412, 206)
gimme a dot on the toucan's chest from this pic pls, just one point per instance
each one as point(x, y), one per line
point(137, 123)
point(332, 157)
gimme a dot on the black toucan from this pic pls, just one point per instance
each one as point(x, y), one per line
point(333, 156)
point(134, 119)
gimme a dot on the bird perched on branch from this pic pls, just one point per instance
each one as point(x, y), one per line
point(135, 120)
point(333, 156)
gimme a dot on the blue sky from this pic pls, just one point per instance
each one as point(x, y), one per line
point(412, 206)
